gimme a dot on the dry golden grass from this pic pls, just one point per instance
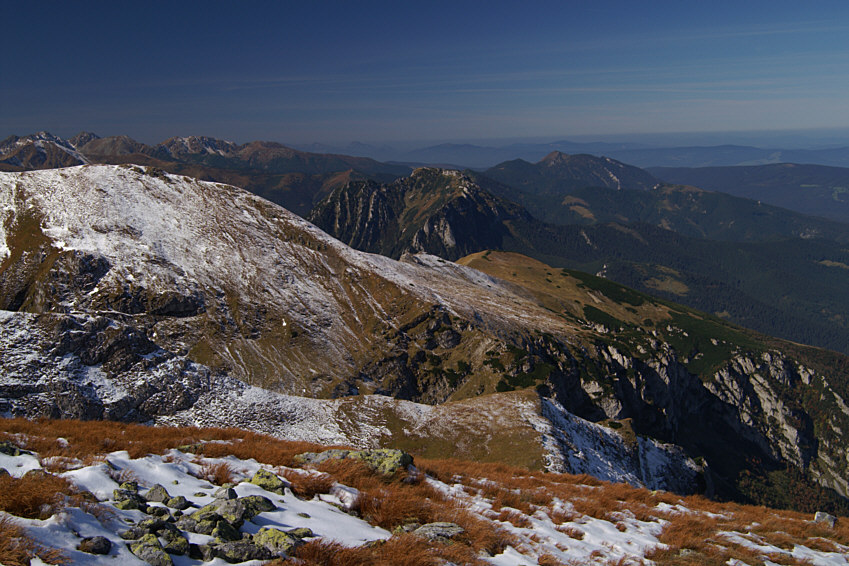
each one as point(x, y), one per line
point(306, 485)
point(514, 494)
point(217, 473)
point(88, 439)
point(17, 549)
point(403, 550)
point(34, 496)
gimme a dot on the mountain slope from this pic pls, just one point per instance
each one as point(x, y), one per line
point(811, 189)
point(588, 190)
point(442, 212)
point(146, 296)
point(38, 151)
point(558, 173)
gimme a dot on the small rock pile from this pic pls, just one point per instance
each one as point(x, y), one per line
point(222, 520)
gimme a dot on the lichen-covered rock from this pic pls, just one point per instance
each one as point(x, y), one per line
point(157, 494)
point(187, 523)
point(256, 504)
point(95, 545)
point(268, 481)
point(131, 486)
point(301, 532)
point(151, 525)
point(225, 492)
point(176, 543)
point(126, 499)
point(148, 549)
point(225, 531)
point(133, 533)
point(231, 510)
point(158, 511)
point(276, 541)
point(10, 449)
point(178, 502)
point(386, 461)
point(439, 532)
point(240, 551)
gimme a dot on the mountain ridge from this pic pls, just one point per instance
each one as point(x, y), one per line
point(122, 292)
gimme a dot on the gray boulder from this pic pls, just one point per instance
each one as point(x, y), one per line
point(439, 532)
point(148, 549)
point(95, 545)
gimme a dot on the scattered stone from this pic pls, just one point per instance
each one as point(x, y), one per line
point(149, 550)
point(240, 551)
point(180, 503)
point(195, 448)
point(158, 511)
point(225, 492)
point(126, 499)
point(201, 494)
point(825, 518)
point(131, 486)
point(157, 494)
point(439, 532)
point(269, 481)
point(301, 532)
point(186, 523)
point(304, 515)
point(406, 528)
point(176, 543)
point(277, 542)
point(133, 533)
point(256, 504)
point(152, 525)
point(231, 510)
point(207, 525)
point(225, 531)
point(385, 461)
point(95, 545)
point(10, 449)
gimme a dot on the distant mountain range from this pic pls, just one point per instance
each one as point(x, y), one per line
point(761, 266)
point(482, 157)
point(811, 189)
point(283, 175)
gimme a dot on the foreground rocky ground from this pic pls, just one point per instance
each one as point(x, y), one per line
point(91, 493)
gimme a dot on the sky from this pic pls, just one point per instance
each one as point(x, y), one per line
point(382, 72)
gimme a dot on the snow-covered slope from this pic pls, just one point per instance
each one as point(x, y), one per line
point(554, 530)
point(174, 245)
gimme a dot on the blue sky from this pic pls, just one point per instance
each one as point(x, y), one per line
point(301, 72)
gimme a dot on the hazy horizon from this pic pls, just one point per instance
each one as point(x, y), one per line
point(374, 72)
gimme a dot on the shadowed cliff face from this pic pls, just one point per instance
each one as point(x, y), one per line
point(146, 295)
point(434, 211)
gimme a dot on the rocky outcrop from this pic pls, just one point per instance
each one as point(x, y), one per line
point(435, 211)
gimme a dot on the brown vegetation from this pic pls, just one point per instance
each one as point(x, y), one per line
point(692, 533)
point(17, 549)
point(36, 495)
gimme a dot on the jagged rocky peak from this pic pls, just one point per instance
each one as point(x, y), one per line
point(41, 150)
point(177, 146)
point(114, 146)
point(82, 138)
